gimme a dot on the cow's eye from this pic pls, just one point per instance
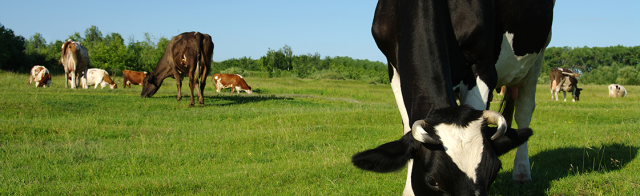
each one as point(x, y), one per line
point(432, 182)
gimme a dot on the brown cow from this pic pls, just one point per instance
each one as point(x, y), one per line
point(75, 60)
point(188, 53)
point(564, 80)
point(133, 77)
point(233, 81)
point(41, 76)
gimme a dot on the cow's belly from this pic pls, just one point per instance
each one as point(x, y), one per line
point(513, 69)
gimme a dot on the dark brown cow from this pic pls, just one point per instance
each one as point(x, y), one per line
point(233, 81)
point(133, 77)
point(75, 60)
point(564, 80)
point(189, 54)
point(41, 76)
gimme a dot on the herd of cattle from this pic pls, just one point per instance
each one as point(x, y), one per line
point(189, 53)
point(434, 49)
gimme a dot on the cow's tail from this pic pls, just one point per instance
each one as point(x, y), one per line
point(507, 106)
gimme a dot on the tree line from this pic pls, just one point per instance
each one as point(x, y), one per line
point(599, 65)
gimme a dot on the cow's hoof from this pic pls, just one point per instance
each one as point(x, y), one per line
point(191, 105)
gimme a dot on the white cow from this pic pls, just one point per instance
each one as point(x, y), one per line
point(40, 75)
point(616, 90)
point(98, 76)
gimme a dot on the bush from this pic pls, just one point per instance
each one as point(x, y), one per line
point(236, 70)
point(327, 74)
point(628, 75)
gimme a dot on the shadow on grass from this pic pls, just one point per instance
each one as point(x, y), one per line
point(226, 99)
point(235, 99)
point(556, 164)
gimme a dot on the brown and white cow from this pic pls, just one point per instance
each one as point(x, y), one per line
point(233, 81)
point(41, 76)
point(75, 60)
point(188, 54)
point(564, 80)
point(98, 77)
point(133, 77)
point(615, 90)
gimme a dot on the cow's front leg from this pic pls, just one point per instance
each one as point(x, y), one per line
point(564, 94)
point(178, 84)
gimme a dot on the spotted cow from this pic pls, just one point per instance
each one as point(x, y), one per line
point(232, 81)
point(41, 76)
point(434, 48)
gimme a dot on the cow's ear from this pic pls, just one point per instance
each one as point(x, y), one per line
point(388, 157)
point(510, 140)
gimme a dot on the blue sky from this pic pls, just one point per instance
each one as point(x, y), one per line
point(249, 27)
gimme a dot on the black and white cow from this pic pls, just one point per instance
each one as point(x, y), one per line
point(473, 46)
point(563, 79)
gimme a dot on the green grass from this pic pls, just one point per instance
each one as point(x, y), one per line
point(293, 137)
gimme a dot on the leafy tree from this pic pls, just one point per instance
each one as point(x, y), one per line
point(11, 47)
point(628, 75)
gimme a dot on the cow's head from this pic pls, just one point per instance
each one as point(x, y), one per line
point(578, 94)
point(249, 91)
point(453, 152)
point(149, 86)
point(113, 86)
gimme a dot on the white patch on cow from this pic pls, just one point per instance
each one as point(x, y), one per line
point(513, 69)
point(463, 145)
point(397, 91)
point(239, 75)
point(477, 97)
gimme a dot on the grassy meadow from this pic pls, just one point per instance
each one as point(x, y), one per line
point(291, 137)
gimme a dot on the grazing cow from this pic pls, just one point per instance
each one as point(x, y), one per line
point(98, 77)
point(233, 81)
point(188, 53)
point(75, 60)
point(133, 77)
point(564, 80)
point(41, 76)
point(435, 46)
point(616, 90)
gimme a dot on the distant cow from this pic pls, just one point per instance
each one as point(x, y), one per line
point(41, 76)
point(133, 77)
point(616, 90)
point(188, 53)
point(564, 80)
point(233, 81)
point(98, 77)
point(75, 60)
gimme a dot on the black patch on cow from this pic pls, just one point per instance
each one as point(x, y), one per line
point(388, 157)
point(528, 20)
point(461, 116)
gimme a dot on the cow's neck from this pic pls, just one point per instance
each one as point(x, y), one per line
point(162, 71)
point(423, 57)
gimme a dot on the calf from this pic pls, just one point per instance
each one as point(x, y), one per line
point(41, 76)
point(616, 90)
point(233, 81)
point(564, 80)
point(133, 77)
point(98, 76)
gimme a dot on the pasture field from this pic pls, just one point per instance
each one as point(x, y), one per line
point(291, 137)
